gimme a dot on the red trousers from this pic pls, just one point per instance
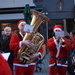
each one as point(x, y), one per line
point(60, 70)
point(24, 70)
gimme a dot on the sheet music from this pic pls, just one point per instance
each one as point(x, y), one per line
point(59, 34)
point(28, 28)
point(6, 55)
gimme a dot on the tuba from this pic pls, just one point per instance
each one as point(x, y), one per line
point(24, 52)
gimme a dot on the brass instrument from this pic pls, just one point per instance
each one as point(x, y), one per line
point(62, 43)
point(25, 52)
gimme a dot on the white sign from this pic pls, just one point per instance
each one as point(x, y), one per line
point(6, 55)
point(59, 34)
point(28, 28)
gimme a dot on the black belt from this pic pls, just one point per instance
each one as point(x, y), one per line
point(58, 58)
point(63, 60)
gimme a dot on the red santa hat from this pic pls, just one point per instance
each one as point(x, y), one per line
point(21, 21)
point(58, 27)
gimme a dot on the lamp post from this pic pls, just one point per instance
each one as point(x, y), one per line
point(46, 13)
point(65, 27)
point(46, 29)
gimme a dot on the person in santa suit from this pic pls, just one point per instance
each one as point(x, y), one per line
point(58, 53)
point(4, 66)
point(15, 44)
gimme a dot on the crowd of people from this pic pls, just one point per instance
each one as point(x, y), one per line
point(59, 48)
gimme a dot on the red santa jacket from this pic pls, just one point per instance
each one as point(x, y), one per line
point(73, 44)
point(4, 67)
point(58, 51)
point(14, 45)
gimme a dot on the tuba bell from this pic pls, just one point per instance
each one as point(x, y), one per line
point(24, 52)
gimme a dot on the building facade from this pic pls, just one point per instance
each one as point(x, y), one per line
point(58, 12)
point(11, 11)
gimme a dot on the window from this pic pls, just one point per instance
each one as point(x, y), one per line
point(12, 25)
point(60, 4)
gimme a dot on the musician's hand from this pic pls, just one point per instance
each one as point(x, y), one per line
point(33, 56)
point(27, 43)
point(57, 39)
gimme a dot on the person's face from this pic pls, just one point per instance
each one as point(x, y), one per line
point(57, 31)
point(21, 26)
point(7, 32)
point(71, 35)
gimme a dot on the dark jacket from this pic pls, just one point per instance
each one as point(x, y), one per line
point(4, 43)
point(4, 47)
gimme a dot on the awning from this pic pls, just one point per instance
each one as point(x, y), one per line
point(27, 14)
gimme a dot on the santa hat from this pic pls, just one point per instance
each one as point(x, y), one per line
point(58, 27)
point(20, 22)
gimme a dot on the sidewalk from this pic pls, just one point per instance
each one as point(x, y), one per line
point(44, 66)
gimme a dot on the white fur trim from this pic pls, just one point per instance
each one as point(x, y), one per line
point(51, 65)
point(21, 23)
point(64, 65)
point(40, 54)
point(55, 41)
point(20, 44)
point(26, 65)
point(59, 65)
point(57, 29)
point(58, 47)
point(21, 34)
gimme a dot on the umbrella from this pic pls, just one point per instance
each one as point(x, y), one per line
point(27, 14)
